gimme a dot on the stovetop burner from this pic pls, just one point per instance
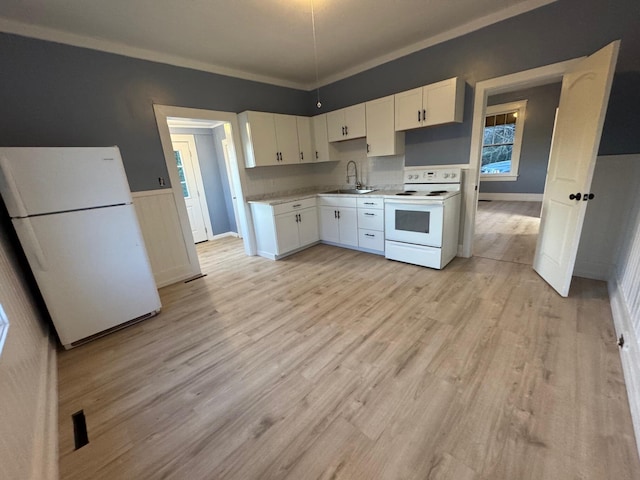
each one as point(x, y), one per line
point(406, 193)
point(436, 193)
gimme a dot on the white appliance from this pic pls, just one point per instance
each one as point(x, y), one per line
point(73, 213)
point(422, 222)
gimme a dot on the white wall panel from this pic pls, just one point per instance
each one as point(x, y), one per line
point(160, 225)
point(28, 381)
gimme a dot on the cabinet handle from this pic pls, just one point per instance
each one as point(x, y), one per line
point(296, 205)
point(343, 130)
point(335, 214)
point(369, 235)
point(418, 115)
point(368, 148)
point(369, 203)
point(301, 155)
point(346, 129)
point(316, 155)
point(370, 214)
point(424, 115)
point(338, 214)
point(300, 217)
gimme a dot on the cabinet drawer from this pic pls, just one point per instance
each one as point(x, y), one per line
point(294, 206)
point(370, 202)
point(337, 201)
point(371, 219)
point(371, 239)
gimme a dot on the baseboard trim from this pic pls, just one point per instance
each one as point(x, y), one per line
point(629, 354)
point(45, 452)
point(511, 197)
point(223, 235)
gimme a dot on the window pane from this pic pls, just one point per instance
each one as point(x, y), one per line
point(490, 121)
point(501, 119)
point(488, 135)
point(496, 159)
point(181, 174)
point(511, 117)
point(509, 133)
point(176, 153)
point(185, 190)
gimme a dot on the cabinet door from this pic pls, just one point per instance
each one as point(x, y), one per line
point(382, 138)
point(408, 107)
point(287, 138)
point(335, 126)
point(441, 102)
point(262, 135)
point(320, 138)
point(355, 123)
point(287, 232)
point(308, 226)
point(348, 221)
point(307, 155)
point(329, 229)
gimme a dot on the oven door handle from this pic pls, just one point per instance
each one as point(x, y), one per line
point(412, 202)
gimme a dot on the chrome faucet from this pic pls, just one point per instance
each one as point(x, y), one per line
point(355, 167)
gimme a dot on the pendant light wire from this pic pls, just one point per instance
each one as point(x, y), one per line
point(315, 53)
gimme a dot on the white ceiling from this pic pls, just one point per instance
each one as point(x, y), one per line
point(265, 40)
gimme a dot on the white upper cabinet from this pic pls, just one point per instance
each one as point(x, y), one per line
point(269, 138)
point(347, 123)
point(305, 143)
point(435, 104)
point(382, 138)
point(321, 145)
point(287, 138)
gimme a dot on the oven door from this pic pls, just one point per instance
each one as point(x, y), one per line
point(417, 222)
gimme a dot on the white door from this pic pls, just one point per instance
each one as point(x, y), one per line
point(583, 104)
point(191, 185)
point(232, 187)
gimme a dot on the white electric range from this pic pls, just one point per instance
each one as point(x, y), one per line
point(422, 222)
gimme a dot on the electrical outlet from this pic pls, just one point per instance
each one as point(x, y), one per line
point(4, 327)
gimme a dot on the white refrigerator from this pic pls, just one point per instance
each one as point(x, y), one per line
point(72, 211)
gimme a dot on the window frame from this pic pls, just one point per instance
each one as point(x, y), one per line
point(521, 107)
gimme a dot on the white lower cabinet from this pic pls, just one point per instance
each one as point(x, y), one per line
point(371, 224)
point(338, 220)
point(285, 228)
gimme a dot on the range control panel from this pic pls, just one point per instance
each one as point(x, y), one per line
point(433, 175)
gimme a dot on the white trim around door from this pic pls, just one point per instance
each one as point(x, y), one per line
point(508, 83)
point(232, 129)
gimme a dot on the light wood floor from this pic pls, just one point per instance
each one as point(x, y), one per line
point(334, 364)
point(507, 231)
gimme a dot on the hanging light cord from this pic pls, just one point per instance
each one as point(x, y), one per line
point(315, 53)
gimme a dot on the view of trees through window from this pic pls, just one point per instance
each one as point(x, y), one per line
point(497, 146)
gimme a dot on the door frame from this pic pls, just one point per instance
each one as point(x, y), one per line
point(197, 173)
point(226, 152)
point(507, 83)
point(162, 113)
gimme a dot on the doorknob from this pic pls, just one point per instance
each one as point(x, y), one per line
point(577, 196)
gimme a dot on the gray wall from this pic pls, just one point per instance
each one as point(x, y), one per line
point(536, 140)
point(560, 31)
point(214, 176)
point(58, 95)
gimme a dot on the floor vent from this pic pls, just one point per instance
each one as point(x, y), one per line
point(80, 435)
point(201, 275)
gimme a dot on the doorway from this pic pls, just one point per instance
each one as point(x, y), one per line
point(228, 128)
point(515, 156)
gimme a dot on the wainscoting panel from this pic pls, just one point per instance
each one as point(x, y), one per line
point(624, 290)
point(160, 224)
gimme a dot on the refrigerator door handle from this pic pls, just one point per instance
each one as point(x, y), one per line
point(13, 196)
point(30, 241)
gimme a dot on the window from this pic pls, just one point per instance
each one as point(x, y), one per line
point(502, 140)
point(183, 180)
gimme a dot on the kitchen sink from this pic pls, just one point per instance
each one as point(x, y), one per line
point(352, 191)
